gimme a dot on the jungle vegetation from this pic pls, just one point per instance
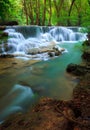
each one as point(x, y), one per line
point(46, 12)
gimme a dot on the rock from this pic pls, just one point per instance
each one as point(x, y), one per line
point(86, 55)
point(78, 70)
point(51, 54)
point(57, 53)
point(2, 28)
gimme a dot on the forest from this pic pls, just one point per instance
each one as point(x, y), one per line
point(46, 12)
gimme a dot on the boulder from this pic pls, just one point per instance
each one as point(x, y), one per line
point(77, 70)
point(51, 54)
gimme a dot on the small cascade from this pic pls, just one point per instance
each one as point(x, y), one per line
point(67, 34)
point(28, 31)
point(14, 37)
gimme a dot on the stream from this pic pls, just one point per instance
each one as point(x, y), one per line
point(24, 81)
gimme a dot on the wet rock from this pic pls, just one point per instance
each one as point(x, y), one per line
point(51, 54)
point(76, 69)
point(86, 55)
point(59, 49)
point(57, 53)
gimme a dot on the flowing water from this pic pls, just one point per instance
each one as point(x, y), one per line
point(24, 80)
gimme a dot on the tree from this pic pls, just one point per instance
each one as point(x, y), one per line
point(70, 9)
point(4, 7)
point(50, 12)
point(58, 6)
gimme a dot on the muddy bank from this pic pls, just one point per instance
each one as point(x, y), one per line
point(52, 114)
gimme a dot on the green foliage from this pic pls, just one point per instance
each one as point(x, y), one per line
point(35, 11)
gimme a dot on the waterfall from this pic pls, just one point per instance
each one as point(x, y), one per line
point(36, 39)
point(67, 34)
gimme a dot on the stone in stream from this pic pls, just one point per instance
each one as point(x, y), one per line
point(51, 54)
point(56, 51)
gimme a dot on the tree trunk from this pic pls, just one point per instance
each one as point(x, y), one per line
point(25, 10)
point(50, 12)
point(37, 11)
point(58, 7)
point(44, 13)
point(69, 13)
point(79, 11)
point(31, 12)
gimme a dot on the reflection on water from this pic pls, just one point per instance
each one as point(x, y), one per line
point(46, 78)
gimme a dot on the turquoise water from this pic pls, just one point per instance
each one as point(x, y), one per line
point(51, 77)
point(46, 78)
point(22, 83)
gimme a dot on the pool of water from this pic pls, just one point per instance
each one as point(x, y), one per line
point(19, 79)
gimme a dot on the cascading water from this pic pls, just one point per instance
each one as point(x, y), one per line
point(29, 40)
point(67, 34)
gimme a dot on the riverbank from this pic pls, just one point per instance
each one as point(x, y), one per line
point(52, 114)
